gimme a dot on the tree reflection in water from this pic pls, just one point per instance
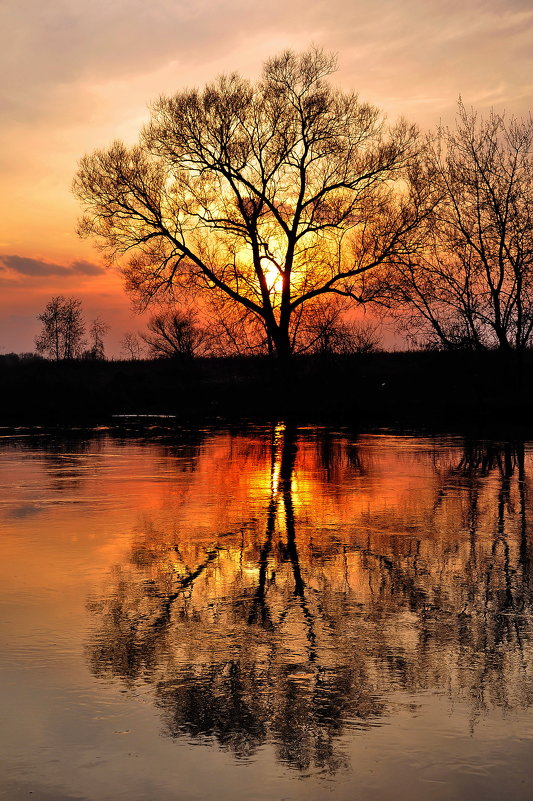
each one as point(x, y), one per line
point(299, 622)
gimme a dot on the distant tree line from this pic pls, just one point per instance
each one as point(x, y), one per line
point(178, 332)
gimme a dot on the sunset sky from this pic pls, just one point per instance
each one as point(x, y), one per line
point(77, 75)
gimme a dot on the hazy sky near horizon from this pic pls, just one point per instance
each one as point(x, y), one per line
point(78, 75)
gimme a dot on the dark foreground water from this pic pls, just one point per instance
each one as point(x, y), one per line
point(270, 614)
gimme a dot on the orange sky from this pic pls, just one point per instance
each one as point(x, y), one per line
point(80, 75)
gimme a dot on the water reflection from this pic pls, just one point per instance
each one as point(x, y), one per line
point(325, 576)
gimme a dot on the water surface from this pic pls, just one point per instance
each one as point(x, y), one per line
point(275, 613)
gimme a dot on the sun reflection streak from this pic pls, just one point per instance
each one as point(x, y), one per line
point(277, 444)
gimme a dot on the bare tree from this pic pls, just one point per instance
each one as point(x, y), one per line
point(130, 346)
point(474, 286)
point(327, 328)
point(97, 330)
point(63, 329)
point(269, 194)
point(175, 332)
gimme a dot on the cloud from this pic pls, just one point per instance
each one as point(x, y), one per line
point(86, 268)
point(39, 268)
point(82, 64)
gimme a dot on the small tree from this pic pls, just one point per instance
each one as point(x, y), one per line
point(328, 329)
point(175, 333)
point(97, 330)
point(130, 346)
point(63, 329)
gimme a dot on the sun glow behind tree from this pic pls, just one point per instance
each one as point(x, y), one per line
point(269, 196)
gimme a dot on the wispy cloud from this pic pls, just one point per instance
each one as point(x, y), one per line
point(62, 49)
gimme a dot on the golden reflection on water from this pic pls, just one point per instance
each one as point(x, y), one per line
point(287, 585)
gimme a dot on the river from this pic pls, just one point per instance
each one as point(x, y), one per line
point(265, 613)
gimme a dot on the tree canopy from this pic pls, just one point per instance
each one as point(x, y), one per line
point(269, 195)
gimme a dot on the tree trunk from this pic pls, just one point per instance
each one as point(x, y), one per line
point(283, 372)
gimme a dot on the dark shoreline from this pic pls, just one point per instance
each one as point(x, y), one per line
point(441, 392)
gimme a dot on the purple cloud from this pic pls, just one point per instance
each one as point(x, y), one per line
point(37, 267)
point(86, 267)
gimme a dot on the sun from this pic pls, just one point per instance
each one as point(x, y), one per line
point(273, 276)
point(274, 256)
